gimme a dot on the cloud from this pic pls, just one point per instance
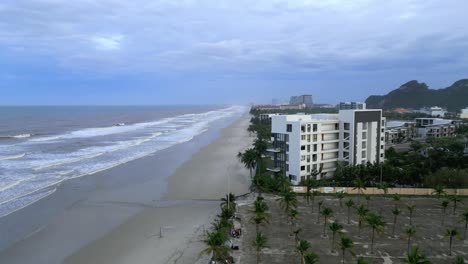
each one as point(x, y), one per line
point(107, 43)
point(244, 37)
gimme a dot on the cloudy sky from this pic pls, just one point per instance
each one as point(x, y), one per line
point(217, 51)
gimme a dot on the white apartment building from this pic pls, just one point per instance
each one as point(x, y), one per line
point(436, 127)
point(464, 113)
point(304, 143)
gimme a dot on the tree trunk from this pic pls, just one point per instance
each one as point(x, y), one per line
point(372, 242)
point(466, 227)
point(454, 207)
point(324, 226)
point(411, 218)
point(443, 217)
point(258, 257)
point(349, 211)
point(409, 242)
point(394, 225)
point(333, 242)
point(450, 247)
point(342, 260)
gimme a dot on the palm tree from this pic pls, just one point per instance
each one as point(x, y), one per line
point(249, 159)
point(451, 233)
point(465, 219)
point(302, 247)
point(359, 185)
point(260, 243)
point(340, 196)
point(444, 209)
point(414, 257)
point(395, 213)
point(455, 200)
point(229, 200)
point(259, 219)
point(362, 260)
point(410, 232)
point(314, 194)
point(411, 208)
point(396, 199)
point(320, 203)
point(296, 234)
point(215, 241)
point(439, 191)
point(293, 215)
point(368, 198)
point(326, 213)
point(311, 258)
point(310, 183)
point(459, 260)
point(376, 223)
point(345, 244)
point(260, 206)
point(335, 227)
point(349, 204)
point(362, 213)
point(288, 200)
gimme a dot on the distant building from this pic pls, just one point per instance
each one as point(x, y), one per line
point(434, 111)
point(436, 127)
point(267, 117)
point(399, 131)
point(464, 113)
point(305, 99)
point(351, 105)
point(279, 107)
point(304, 143)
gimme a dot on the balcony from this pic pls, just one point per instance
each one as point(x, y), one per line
point(275, 170)
point(274, 150)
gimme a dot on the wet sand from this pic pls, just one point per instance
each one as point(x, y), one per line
point(191, 202)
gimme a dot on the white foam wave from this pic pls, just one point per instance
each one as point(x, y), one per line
point(19, 156)
point(18, 136)
point(55, 164)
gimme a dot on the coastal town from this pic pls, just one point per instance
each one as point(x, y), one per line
point(349, 185)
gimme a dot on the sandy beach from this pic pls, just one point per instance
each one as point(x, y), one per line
point(191, 201)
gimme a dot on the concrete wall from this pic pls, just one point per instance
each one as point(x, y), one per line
point(373, 190)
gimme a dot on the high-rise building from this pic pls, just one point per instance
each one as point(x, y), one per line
point(351, 105)
point(306, 143)
point(305, 99)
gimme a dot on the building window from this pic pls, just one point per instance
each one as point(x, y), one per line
point(364, 125)
point(289, 128)
point(363, 154)
point(346, 126)
point(364, 144)
point(308, 128)
point(315, 127)
point(381, 146)
point(303, 137)
point(308, 138)
point(303, 129)
point(308, 148)
point(315, 147)
point(364, 135)
point(303, 157)
point(303, 147)
point(381, 155)
point(308, 168)
point(287, 167)
point(315, 138)
point(314, 157)
point(302, 168)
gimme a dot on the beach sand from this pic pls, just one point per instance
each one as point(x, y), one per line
point(191, 202)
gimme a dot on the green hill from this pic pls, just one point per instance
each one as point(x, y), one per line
point(416, 95)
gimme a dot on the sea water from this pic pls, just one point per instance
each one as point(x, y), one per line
point(40, 147)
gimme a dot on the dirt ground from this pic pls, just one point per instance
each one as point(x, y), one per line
point(427, 219)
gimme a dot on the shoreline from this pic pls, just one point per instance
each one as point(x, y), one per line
point(89, 208)
point(192, 202)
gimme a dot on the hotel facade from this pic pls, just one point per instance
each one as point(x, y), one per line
point(304, 143)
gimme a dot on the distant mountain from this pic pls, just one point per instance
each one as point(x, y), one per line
point(415, 95)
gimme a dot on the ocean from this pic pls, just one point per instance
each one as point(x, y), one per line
point(42, 146)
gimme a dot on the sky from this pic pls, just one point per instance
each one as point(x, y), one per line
point(120, 52)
